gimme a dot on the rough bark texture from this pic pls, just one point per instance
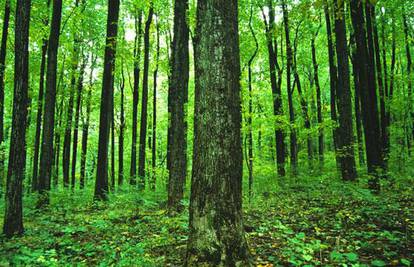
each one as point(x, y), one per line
point(13, 218)
point(137, 70)
point(46, 152)
point(216, 236)
point(3, 51)
point(177, 100)
point(368, 96)
point(144, 105)
point(101, 185)
point(343, 96)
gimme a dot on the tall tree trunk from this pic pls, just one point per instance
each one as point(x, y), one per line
point(144, 105)
point(177, 100)
point(384, 121)
point(101, 185)
point(69, 112)
point(137, 70)
point(121, 130)
point(216, 236)
point(318, 98)
point(333, 76)
point(112, 169)
point(368, 95)
point(46, 152)
point(3, 51)
point(85, 127)
point(274, 69)
point(13, 217)
point(409, 78)
point(250, 116)
point(154, 112)
point(343, 94)
point(76, 130)
point(357, 104)
point(293, 137)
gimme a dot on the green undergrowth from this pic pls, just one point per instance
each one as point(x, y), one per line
point(310, 220)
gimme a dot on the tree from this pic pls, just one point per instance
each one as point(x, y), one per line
point(144, 105)
point(368, 96)
point(177, 99)
point(343, 96)
point(3, 51)
point(216, 234)
point(13, 218)
point(154, 111)
point(46, 152)
point(101, 185)
point(137, 70)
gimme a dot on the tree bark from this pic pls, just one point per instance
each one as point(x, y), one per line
point(46, 152)
point(121, 131)
point(343, 94)
point(144, 105)
point(3, 52)
point(13, 218)
point(177, 107)
point(137, 70)
point(368, 95)
point(274, 69)
point(101, 185)
point(409, 78)
point(154, 113)
point(216, 236)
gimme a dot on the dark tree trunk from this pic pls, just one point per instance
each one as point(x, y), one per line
point(177, 100)
point(250, 116)
point(137, 56)
point(343, 96)
point(101, 185)
point(112, 169)
point(13, 217)
point(75, 129)
point(384, 121)
point(69, 112)
point(333, 75)
point(216, 234)
point(357, 105)
point(144, 105)
point(274, 69)
point(154, 113)
point(3, 51)
point(46, 152)
point(85, 127)
point(368, 95)
point(318, 99)
point(409, 78)
point(293, 137)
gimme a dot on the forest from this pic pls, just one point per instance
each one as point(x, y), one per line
point(206, 133)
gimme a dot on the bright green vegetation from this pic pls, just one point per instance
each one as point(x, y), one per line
point(315, 220)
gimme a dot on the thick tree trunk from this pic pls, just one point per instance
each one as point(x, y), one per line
point(274, 69)
point(76, 126)
point(293, 137)
point(368, 95)
point(137, 70)
point(177, 100)
point(46, 152)
point(13, 217)
point(3, 51)
point(144, 105)
point(343, 94)
point(216, 236)
point(101, 185)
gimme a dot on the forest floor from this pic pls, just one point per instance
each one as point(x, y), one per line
point(308, 221)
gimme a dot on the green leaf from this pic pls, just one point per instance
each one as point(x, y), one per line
point(352, 257)
point(378, 263)
point(406, 262)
